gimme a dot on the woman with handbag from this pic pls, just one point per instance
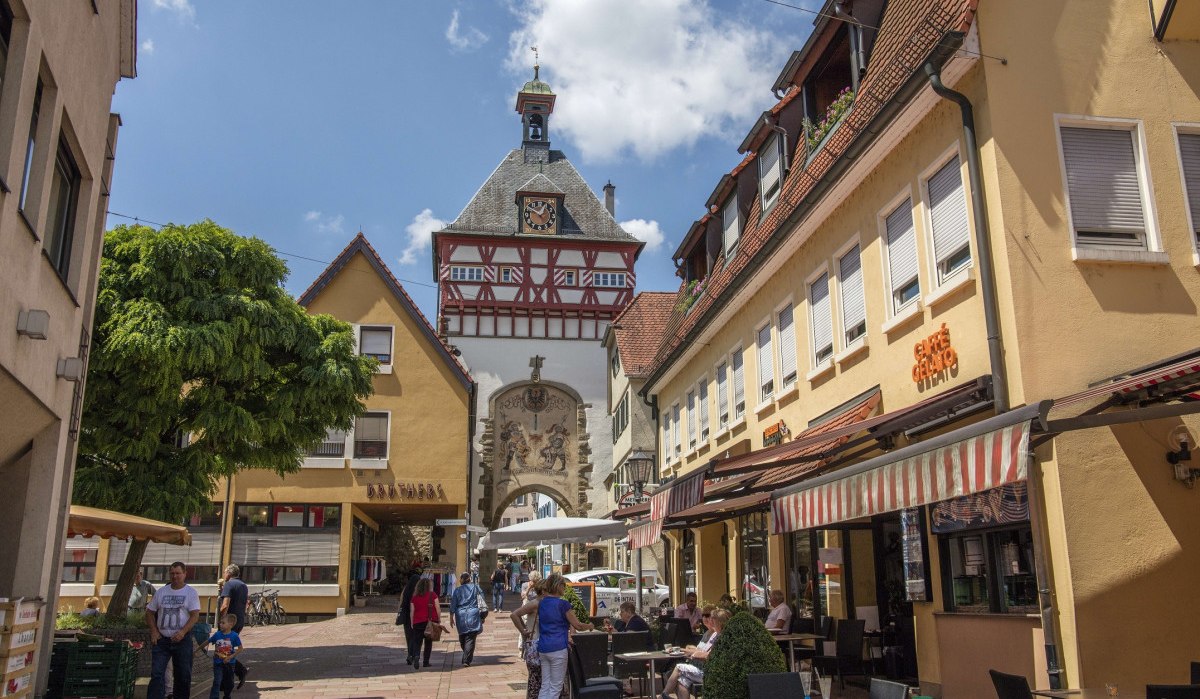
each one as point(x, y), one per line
point(555, 619)
point(531, 595)
point(426, 623)
point(465, 613)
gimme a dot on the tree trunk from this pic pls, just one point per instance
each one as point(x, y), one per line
point(118, 605)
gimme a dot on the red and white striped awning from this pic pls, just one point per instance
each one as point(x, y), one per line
point(969, 466)
point(1176, 371)
point(646, 534)
point(678, 496)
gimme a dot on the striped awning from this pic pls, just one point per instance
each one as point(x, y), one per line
point(1181, 374)
point(646, 534)
point(970, 465)
point(678, 496)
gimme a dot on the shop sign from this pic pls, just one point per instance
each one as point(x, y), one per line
point(934, 355)
point(775, 434)
point(405, 491)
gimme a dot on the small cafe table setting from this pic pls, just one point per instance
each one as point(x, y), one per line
point(791, 638)
point(1092, 693)
point(652, 656)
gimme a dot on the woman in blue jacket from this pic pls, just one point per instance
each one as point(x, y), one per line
point(555, 618)
point(464, 614)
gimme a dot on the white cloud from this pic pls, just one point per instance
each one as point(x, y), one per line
point(646, 80)
point(183, 8)
point(468, 40)
point(148, 46)
point(326, 223)
point(645, 231)
point(420, 235)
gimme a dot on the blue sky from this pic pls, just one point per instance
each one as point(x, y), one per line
point(302, 122)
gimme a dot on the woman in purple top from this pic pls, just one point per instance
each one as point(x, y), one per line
point(555, 619)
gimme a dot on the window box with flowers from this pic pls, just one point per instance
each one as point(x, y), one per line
point(816, 134)
point(691, 294)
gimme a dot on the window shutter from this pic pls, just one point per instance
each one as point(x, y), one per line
point(704, 407)
point(732, 228)
point(691, 422)
point(768, 171)
point(739, 385)
point(822, 318)
point(787, 345)
point(766, 363)
point(948, 211)
point(902, 246)
point(1189, 149)
point(676, 427)
point(723, 392)
point(854, 302)
point(377, 341)
point(1102, 179)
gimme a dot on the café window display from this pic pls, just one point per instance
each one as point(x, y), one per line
point(689, 561)
point(754, 560)
point(801, 573)
point(987, 552)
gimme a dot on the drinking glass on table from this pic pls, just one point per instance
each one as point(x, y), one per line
point(1112, 689)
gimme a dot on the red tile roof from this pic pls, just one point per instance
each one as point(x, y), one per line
point(909, 32)
point(639, 329)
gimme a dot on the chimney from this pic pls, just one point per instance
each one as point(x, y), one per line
point(610, 199)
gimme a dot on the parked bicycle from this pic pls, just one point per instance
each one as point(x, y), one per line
point(263, 608)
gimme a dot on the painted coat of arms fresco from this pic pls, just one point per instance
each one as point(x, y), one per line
point(536, 429)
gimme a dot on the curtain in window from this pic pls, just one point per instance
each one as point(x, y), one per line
point(948, 211)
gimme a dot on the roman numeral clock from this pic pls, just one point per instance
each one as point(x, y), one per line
point(539, 213)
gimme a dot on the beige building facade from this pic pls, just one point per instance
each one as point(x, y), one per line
point(844, 292)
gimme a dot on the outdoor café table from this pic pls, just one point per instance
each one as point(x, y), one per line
point(652, 656)
point(1093, 693)
point(791, 638)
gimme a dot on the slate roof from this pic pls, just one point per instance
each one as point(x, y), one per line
point(639, 330)
point(360, 244)
point(493, 209)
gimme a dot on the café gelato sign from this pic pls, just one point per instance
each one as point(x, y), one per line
point(934, 355)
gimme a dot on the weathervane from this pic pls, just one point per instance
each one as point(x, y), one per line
point(535, 61)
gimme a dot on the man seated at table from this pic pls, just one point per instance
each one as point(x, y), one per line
point(628, 620)
point(688, 610)
point(780, 618)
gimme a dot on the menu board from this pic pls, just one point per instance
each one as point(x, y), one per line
point(916, 571)
point(587, 594)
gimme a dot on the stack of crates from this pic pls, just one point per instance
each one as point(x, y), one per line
point(92, 670)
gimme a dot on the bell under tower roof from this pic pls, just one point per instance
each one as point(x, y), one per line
point(535, 104)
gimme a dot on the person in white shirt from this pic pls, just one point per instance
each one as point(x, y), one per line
point(780, 618)
point(691, 673)
point(171, 614)
point(689, 610)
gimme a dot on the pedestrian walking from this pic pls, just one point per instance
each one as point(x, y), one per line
point(499, 579)
point(233, 598)
point(171, 615)
point(423, 611)
point(404, 614)
point(514, 575)
point(226, 645)
point(466, 615)
point(555, 619)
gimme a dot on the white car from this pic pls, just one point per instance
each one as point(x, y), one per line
point(608, 589)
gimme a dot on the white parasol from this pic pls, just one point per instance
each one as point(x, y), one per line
point(554, 530)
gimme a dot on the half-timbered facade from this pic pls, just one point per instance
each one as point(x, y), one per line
point(530, 276)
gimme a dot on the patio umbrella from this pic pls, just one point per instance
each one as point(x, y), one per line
point(106, 524)
point(554, 530)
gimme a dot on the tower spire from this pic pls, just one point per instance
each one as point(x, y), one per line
point(535, 103)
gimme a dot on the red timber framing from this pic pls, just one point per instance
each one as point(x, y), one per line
point(525, 287)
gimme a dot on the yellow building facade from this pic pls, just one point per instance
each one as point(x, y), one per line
point(316, 536)
point(859, 297)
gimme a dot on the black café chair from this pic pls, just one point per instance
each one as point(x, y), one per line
point(886, 689)
point(593, 653)
point(629, 642)
point(682, 636)
point(595, 688)
point(1010, 686)
point(1173, 691)
point(848, 657)
point(775, 685)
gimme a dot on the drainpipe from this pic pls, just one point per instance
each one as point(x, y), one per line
point(854, 30)
point(1044, 582)
point(987, 279)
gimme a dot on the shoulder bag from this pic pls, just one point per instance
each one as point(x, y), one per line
point(433, 630)
point(481, 603)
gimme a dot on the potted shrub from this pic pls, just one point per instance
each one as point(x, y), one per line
point(745, 647)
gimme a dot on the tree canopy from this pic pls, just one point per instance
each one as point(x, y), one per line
point(195, 335)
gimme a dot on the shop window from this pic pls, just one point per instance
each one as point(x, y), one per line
point(376, 342)
point(289, 516)
point(290, 574)
point(210, 517)
point(159, 575)
point(754, 560)
point(252, 516)
point(689, 561)
point(991, 572)
point(325, 516)
point(79, 565)
point(1104, 184)
point(801, 573)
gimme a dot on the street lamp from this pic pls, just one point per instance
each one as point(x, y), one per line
point(639, 467)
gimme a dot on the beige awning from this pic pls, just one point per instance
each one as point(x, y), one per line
point(106, 524)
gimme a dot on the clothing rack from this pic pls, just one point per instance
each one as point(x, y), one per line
point(376, 570)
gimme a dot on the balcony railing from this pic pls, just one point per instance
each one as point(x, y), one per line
point(328, 450)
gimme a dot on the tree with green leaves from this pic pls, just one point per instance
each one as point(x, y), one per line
point(202, 365)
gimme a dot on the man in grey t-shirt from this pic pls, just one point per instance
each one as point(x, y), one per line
point(171, 614)
point(141, 593)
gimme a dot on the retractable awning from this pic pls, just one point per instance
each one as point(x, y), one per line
point(1177, 377)
point(645, 534)
point(968, 460)
point(680, 494)
point(718, 510)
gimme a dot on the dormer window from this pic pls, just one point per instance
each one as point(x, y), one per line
point(770, 171)
point(733, 225)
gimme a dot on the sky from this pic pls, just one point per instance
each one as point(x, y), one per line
point(302, 123)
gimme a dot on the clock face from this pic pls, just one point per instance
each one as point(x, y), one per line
point(539, 214)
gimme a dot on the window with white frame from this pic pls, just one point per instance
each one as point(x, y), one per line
point(822, 319)
point(371, 436)
point(666, 438)
point(787, 346)
point(905, 286)
point(676, 431)
point(770, 171)
point(723, 411)
point(1189, 154)
point(853, 297)
point(739, 384)
point(466, 273)
point(703, 400)
point(733, 224)
point(1104, 186)
point(948, 218)
point(569, 277)
point(506, 275)
point(766, 364)
point(332, 447)
point(609, 279)
point(376, 342)
point(691, 419)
